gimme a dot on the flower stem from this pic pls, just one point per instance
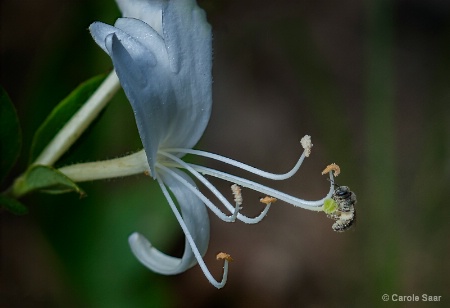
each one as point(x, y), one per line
point(118, 167)
point(73, 129)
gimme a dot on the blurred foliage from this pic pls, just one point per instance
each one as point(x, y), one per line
point(10, 134)
point(44, 179)
point(88, 236)
point(61, 114)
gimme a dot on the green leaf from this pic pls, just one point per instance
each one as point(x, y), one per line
point(13, 205)
point(10, 135)
point(44, 179)
point(62, 113)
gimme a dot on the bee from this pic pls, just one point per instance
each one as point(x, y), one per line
point(344, 197)
point(344, 214)
point(345, 221)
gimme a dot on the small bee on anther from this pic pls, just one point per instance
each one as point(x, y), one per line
point(344, 214)
point(345, 221)
point(344, 197)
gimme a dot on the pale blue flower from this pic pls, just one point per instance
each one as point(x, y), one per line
point(165, 71)
point(161, 51)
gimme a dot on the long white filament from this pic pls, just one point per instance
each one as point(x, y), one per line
point(202, 197)
point(216, 192)
point(191, 242)
point(212, 206)
point(235, 163)
point(196, 169)
point(305, 204)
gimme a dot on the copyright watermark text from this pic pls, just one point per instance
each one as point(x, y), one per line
point(411, 298)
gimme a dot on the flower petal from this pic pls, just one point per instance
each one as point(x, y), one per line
point(169, 88)
point(187, 36)
point(196, 220)
point(186, 32)
point(101, 31)
point(144, 34)
point(132, 64)
point(149, 11)
point(149, 91)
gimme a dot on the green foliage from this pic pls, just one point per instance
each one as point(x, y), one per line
point(90, 238)
point(10, 135)
point(62, 113)
point(44, 179)
point(13, 205)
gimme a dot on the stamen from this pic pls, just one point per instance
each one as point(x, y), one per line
point(332, 167)
point(306, 144)
point(235, 163)
point(194, 169)
point(309, 205)
point(181, 164)
point(191, 242)
point(202, 197)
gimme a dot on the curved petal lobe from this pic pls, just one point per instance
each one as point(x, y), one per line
point(196, 219)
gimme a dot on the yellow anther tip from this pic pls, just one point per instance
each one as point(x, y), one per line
point(268, 200)
point(332, 167)
point(224, 256)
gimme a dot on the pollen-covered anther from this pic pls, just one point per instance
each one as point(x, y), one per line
point(268, 200)
point(332, 167)
point(224, 256)
point(147, 172)
point(237, 194)
point(306, 144)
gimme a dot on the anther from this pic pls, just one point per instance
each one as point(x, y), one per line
point(268, 200)
point(332, 167)
point(306, 144)
point(237, 194)
point(224, 256)
point(238, 199)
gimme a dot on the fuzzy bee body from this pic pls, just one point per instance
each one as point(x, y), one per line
point(345, 214)
point(345, 221)
point(345, 198)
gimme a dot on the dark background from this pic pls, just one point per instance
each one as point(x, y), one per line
point(368, 80)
